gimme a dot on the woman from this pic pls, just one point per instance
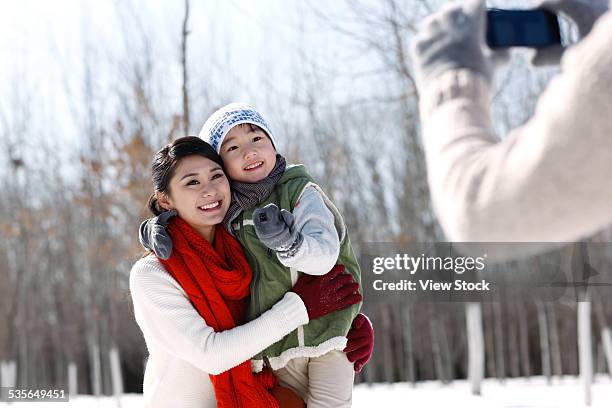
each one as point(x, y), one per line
point(191, 307)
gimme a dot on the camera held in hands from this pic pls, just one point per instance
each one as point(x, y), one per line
point(522, 28)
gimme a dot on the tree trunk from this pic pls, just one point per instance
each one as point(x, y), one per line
point(59, 362)
point(104, 350)
point(396, 339)
point(387, 347)
point(555, 347)
point(95, 367)
point(489, 341)
point(73, 388)
point(585, 349)
point(24, 361)
point(606, 340)
point(409, 364)
point(523, 339)
point(606, 333)
point(514, 354)
point(184, 34)
point(447, 357)
point(500, 355)
point(544, 341)
point(435, 333)
point(600, 359)
point(8, 374)
point(117, 377)
point(476, 350)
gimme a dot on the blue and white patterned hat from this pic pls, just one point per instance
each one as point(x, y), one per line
point(223, 120)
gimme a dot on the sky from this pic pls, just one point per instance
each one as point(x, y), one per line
point(246, 50)
point(42, 42)
point(37, 35)
point(43, 45)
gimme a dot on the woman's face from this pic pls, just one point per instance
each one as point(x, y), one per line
point(199, 192)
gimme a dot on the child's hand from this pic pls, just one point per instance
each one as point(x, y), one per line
point(154, 236)
point(275, 228)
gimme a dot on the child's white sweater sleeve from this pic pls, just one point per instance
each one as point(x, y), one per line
point(320, 248)
point(168, 320)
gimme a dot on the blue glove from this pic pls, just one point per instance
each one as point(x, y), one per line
point(584, 13)
point(454, 38)
point(153, 235)
point(275, 228)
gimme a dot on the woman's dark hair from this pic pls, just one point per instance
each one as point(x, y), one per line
point(167, 159)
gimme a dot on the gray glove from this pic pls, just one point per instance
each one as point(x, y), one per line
point(582, 12)
point(276, 228)
point(453, 38)
point(153, 235)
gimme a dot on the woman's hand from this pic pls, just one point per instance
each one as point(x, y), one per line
point(360, 342)
point(329, 293)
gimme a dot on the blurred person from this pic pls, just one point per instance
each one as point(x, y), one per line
point(546, 181)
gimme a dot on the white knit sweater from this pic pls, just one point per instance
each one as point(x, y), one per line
point(184, 350)
point(547, 181)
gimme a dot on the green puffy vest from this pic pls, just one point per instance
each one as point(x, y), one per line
point(271, 279)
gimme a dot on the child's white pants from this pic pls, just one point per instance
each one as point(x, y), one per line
point(323, 382)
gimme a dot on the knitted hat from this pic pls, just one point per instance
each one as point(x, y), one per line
point(223, 120)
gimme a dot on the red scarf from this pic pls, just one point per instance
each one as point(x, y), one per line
point(216, 278)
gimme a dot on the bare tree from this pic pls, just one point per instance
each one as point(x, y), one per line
point(184, 34)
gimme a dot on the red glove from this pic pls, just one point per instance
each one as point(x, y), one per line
point(360, 342)
point(329, 293)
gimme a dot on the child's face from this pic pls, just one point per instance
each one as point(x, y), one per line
point(247, 153)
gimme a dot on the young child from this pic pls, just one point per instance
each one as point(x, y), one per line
point(287, 226)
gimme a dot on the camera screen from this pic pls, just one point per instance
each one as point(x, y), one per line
point(528, 28)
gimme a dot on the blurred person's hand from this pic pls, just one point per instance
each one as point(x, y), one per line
point(454, 38)
point(584, 13)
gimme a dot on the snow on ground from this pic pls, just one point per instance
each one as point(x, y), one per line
point(566, 392)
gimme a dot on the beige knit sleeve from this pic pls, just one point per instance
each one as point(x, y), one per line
point(548, 180)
